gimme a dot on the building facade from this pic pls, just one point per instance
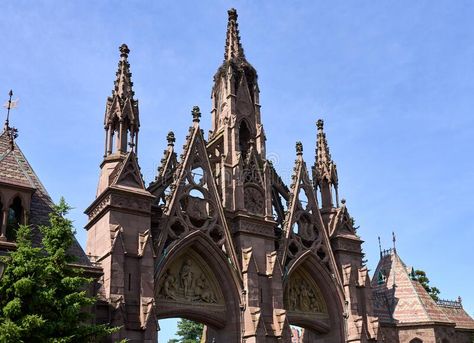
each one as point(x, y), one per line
point(218, 237)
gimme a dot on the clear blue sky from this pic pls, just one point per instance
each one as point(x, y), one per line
point(393, 80)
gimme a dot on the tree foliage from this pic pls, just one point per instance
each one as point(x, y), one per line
point(188, 332)
point(42, 297)
point(421, 277)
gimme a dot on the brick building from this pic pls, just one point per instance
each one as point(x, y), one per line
point(218, 237)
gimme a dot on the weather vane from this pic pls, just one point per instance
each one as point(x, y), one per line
point(11, 131)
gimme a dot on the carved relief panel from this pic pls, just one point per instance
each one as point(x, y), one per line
point(189, 280)
point(303, 295)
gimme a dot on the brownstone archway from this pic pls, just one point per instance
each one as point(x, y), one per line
point(314, 301)
point(196, 281)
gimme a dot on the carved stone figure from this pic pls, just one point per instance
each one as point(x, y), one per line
point(202, 290)
point(169, 285)
point(186, 277)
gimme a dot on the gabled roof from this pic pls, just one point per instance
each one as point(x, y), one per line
point(400, 299)
point(17, 172)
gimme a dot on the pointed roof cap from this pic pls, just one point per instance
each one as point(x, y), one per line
point(121, 104)
point(322, 148)
point(123, 83)
point(233, 46)
point(324, 165)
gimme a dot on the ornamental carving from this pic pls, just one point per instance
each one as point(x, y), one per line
point(188, 280)
point(303, 295)
point(100, 206)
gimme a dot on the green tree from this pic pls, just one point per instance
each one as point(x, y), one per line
point(421, 277)
point(42, 297)
point(189, 331)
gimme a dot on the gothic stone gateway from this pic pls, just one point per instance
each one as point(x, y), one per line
point(218, 237)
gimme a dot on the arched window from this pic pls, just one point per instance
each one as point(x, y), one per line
point(416, 340)
point(244, 138)
point(15, 213)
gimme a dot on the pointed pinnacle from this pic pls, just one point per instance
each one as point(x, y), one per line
point(123, 82)
point(233, 47)
point(170, 138)
point(196, 112)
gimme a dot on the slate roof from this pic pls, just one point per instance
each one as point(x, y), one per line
point(399, 299)
point(15, 170)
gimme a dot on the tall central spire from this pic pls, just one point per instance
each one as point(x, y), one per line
point(233, 47)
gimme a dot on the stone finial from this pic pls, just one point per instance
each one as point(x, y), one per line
point(320, 124)
point(232, 14)
point(196, 112)
point(343, 201)
point(170, 138)
point(299, 148)
point(124, 50)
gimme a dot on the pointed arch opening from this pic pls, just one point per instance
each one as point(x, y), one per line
point(244, 138)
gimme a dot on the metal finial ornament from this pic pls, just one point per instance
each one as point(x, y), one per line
point(170, 138)
point(196, 112)
point(12, 132)
point(394, 239)
point(380, 247)
point(299, 148)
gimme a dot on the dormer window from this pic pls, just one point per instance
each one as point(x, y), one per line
point(14, 219)
point(381, 277)
point(15, 206)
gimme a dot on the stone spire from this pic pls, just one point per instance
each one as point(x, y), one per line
point(324, 170)
point(233, 47)
point(121, 120)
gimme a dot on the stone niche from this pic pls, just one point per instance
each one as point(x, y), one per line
point(188, 280)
